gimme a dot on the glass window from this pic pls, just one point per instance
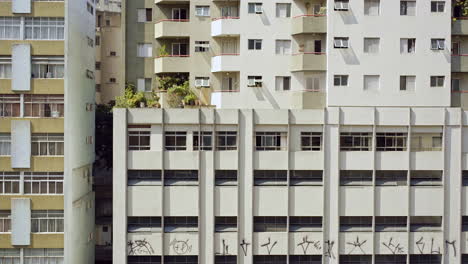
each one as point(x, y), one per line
point(5, 223)
point(268, 141)
point(355, 223)
point(391, 259)
point(10, 182)
point(270, 224)
point(341, 42)
point(145, 50)
point(306, 177)
point(139, 137)
point(355, 177)
point(226, 224)
point(305, 223)
point(371, 45)
point(437, 44)
point(426, 259)
point(180, 224)
point(437, 81)
point(181, 259)
point(426, 141)
point(143, 259)
point(44, 28)
point(43, 105)
point(355, 259)
point(47, 221)
point(270, 259)
point(43, 183)
point(270, 177)
point(5, 67)
point(390, 223)
point(356, 141)
point(407, 83)
point(225, 177)
point(425, 223)
point(311, 141)
point(305, 259)
point(10, 105)
point(340, 80)
point(175, 140)
point(372, 7)
point(10, 27)
point(47, 144)
point(283, 46)
point(426, 178)
point(202, 140)
point(143, 224)
point(226, 140)
point(180, 177)
point(43, 255)
point(391, 178)
point(283, 10)
point(391, 141)
point(371, 82)
point(202, 10)
point(437, 6)
point(144, 177)
point(202, 46)
point(226, 259)
point(283, 83)
point(408, 8)
point(255, 8)
point(255, 44)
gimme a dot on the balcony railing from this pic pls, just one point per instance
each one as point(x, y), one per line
point(225, 26)
point(459, 62)
point(308, 61)
point(309, 24)
point(460, 26)
point(172, 28)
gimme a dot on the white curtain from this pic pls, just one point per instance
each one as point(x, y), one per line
point(371, 7)
point(371, 82)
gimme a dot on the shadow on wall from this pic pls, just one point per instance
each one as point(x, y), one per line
point(265, 19)
point(349, 56)
point(263, 93)
point(447, 54)
point(348, 17)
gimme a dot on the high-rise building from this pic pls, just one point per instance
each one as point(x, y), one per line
point(47, 98)
point(335, 132)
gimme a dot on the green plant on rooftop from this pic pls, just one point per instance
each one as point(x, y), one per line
point(163, 51)
point(133, 99)
point(461, 8)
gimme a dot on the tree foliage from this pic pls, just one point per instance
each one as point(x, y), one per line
point(462, 5)
point(133, 99)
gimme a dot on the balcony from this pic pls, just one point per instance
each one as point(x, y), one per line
point(309, 61)
point(44, 9)
point(309, 24)
point(172, 63)
point(172, 28)
point(308, 99)
point(460, 99)
point(460, 26)
point(225, 26)
point(226, 63)
point(171, 1)
point(460, 63)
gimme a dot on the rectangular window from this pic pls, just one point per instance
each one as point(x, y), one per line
point(313, 83)
point(226, 224)
point(255, 44)
point(391, 178)
point(464, 223)
point(10, 27)
point(311, 141)
point(255, 8)
point(202, 140)
point(303, 259)
point(407, 45)
point(426, 178)
point(10, 105)
point(5, 224)
point(47, 221)
point(437, 44)
point(390, 223)
point(47, 144)
point(180, 49)
point(180, 177)
point(391, 141)
point(390, 259)
point(341, 5)
point(371, 7)
point(283, 83)
point(355, 178)
point(437, 6)
point(226, 140)
point(408, 8)
point(355, 141)
point(43, 105)
point(202, 11)
point(179, 14)
point(371, 45)
point(340, 80)
point(283, 47)
point(202, 81)
point(144, 177)
point(426, 259)
point(43, 183)
point(437, 81)
point(283, 10)
point(143, 224)
point(229, 11)
point(305, 177)
point(270, 224)
point(371, 82)
point(145, 50)
point(97, 40)
point(341, 42)
point(232, 259)
point(5, 67)
point(425, 223)
point(305, 224)
point(5, 144)
point(10, 182)
point(426, 142)
point(90, 8)
point(265, 141)
point(270, 177)
point(407, 83)
point(144, 84)
point(44, 28)
point(144, 15)
point(354, 259)
point(180, 224)
point(175, 140)
point(225, 177)
point(43, 255)
point(139, 137)
point(202, 46)
point(254, 81)
point(455, 85)
point(48, 67)
point(355, 223)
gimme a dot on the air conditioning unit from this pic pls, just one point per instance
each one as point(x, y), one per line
point(251, 82)
point(258, 9)
point(202, 82)
point(341, 6)
point(341, 43)
point(258, 83)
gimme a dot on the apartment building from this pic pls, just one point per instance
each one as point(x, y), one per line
point(47, 99)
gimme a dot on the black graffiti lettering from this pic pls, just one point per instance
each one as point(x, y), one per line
point(140, 247)
point(392, 247)
point(420, 245)
point(180, 247)
point(452, 244)
point(329, 249)
point(245, 247)
point(306, 243)
point(225, 249)
point(268, 246)
point(357, 244)
point(433, 251)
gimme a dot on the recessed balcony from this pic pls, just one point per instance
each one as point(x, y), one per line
point(309, 24)
point(225, 26)
point(172, 28)
point(172, 63)
point(226, 63)
point(309, 61)
point(460, 26)
point(460, 63)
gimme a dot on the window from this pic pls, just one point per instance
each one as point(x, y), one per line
point(408, 8)
point(437, 81)
point(5, 67)
point(391, 141)
point(426, 259)
point(283, 83)
point(90, 8)
point(283, 46)
point(371, 82)
point(112, 80)
point(229, 11)
point(145, 50)
point(464, 223)
point(47, 221)
point(354, 259)
point(180, 224)
point(175, 140)
point(144, 177)
point(391, 178)
point(179, 14)
point(407, 45)
point(5, 223)
point(465, 178)
point(43, 255)
point(202, 81)
point(456, 85)
point(10, 105)
point(268, 140)
point(270, 224)
point(202, 10)
point(202, 46)
point(341, 5)
point(426, 141)
point(390, 259)
point(305, 259)
point(356, 141)
point(48, 67)
point(44, 28)
point(407, 83)
point(10, 182)
point(270, 177)
point(371, 7)
point(283, 10)
point(226, 224)
point(255, 44)
point(254, 81)
point(341, 42)
point(5, 144)
point(425, 223)
point(202, 140)
point(306, 177)
point(10, 27)
point(143, 259)
point(305, 223)
point(144, 15)
point(47, 144)
point(139, 137)
point(43, 183)
point(98, 40)
point(97, 65)
point(312, 83)
point(180, 49)
point(43, 105)
point(426, 178)
point(229, 84)
point(181, 259)
point(143, 224)
point(371, 45)
point(225, 177)
point(340, 80)
point(355, 177)
point(355, 223)
point(437, 6)
point(437, 44)
point(112, 53)
point(180, 177)
point(390, 223)
point(226, 140)
point(311, 141)
point(255, 8)
point(226, 259)
point(144, 84)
